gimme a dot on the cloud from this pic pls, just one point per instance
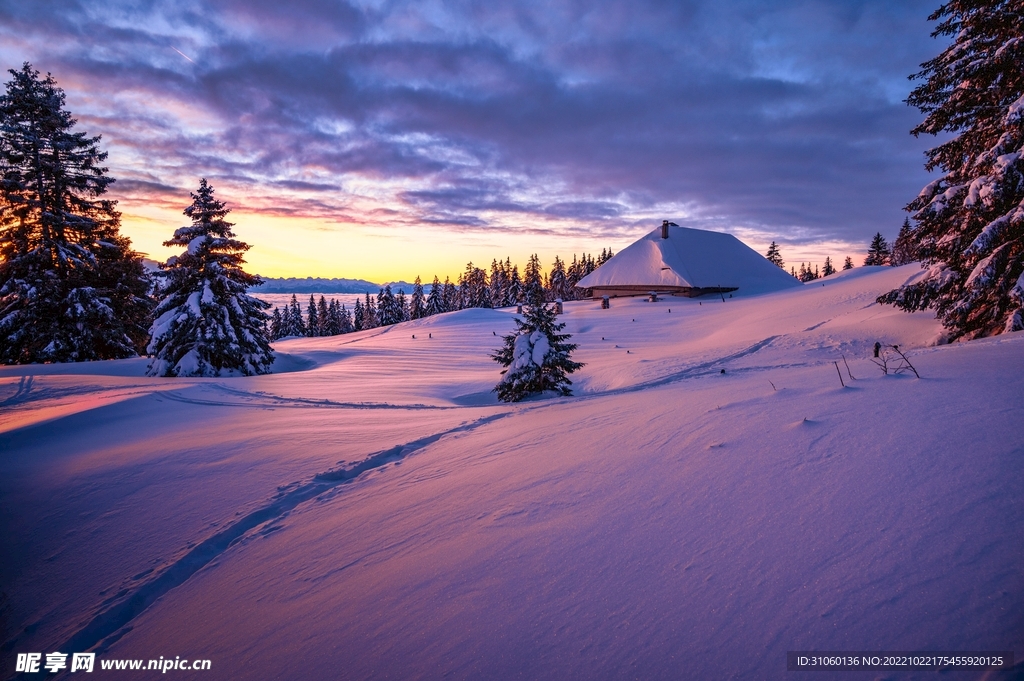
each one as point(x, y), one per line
point(782, 119)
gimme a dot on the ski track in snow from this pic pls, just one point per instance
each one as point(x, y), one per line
point(110, 624)
point(113, 622)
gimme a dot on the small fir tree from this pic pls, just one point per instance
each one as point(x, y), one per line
point(536, 356)
point(312, 318)
point(417, 307)
point(878, 251)
point(388, 310)
point(828, 269)
point(435, 300)
point(904, 249)
point(206, 324)
point(323, 315)
point(848, 263)
point(774, 256)
point(358, 314)
point(533, 285)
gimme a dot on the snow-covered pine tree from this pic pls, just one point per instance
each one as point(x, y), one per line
point(878, 251)
point(848, 263)
point(473, 289)
point(496, 285)
point(969, 229)
point(71, 287)
point(276, 324)
point(435, 300)
point(828, 269)
point(556, 281)
point(323, 316)
point(358, 315)
point(774, 256)
point(417, 307)
point(515, 287)
point(450, 295)
point(298, 324)
point(533, 284)
point(388, 310)
point(206, 324)
point(403, 304)
point(312, 318)
point(345, 321)
point(904, 249)
point(370, 318)
point(536, 356)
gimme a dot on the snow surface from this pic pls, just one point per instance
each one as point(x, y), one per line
point(690, 258)
point(374, 512)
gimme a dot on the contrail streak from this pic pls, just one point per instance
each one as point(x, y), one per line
point(181, 53)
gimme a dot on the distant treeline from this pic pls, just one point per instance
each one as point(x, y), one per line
point(502, 287)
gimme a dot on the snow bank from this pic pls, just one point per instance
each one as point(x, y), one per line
point(377, 515)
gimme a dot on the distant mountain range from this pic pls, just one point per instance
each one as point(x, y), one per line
point(321, 285)
point(315, 284)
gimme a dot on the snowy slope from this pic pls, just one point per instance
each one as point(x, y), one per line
point(669, 521)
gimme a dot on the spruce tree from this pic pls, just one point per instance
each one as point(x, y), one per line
point(323, 314)
point(969, 223)
point(276, 324)
point(388, 310)
point(878, 251)
point(536, 356)
point(828, 269)
point(904, 250)
point(295, 326)
point(71, 287)
point(533, 285)
point(848, 263)
point(312, 318)
point(345, 323)
point(358, 314)
point(515, 287)
point(450, 295)
point(417, 307)
point(370, 318)
point(435, 300)
point(206, 324)
point(556, 281)
point(774, 256)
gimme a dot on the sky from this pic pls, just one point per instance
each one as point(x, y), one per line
point(388, 139)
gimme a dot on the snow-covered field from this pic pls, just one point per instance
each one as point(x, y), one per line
point(372, 511)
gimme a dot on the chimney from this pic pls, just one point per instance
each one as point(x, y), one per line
point(664, 229)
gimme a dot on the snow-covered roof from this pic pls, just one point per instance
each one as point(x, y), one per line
point(690, 258)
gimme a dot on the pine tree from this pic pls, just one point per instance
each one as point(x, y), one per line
point(556, 281)
point(828, 269)
point(969, 229)
point(904, 249)
point(345, 323)
point(295, 326)
point(435, 301)
point(450, 296)
point(206, 324)
point(276, 324)
point(388, 310)
point(515, 288)
point(774, 256)
point(323, 316)
point(312, 318)
point(71, 287)
point(533, 286)
point(403, 304)
point(358, 314)
point(417, 308)
point(370, 318)
point(878, 251)
point(848, 263)
point(536, 356)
